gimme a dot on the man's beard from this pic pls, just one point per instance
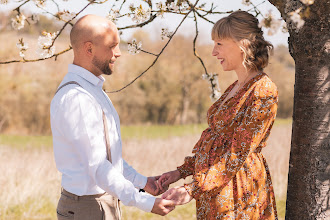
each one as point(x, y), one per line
point(102, 66)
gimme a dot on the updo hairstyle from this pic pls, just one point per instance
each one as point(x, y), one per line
point(243, 28)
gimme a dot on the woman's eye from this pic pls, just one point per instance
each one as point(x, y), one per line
point(218, 43)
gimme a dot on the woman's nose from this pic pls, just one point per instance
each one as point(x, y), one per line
point(214, 52)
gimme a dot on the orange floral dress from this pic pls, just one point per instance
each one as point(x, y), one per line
point(231, 179)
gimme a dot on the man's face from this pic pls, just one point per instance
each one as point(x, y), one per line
point(106, 53)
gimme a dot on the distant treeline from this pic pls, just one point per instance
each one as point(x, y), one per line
point(172, 92)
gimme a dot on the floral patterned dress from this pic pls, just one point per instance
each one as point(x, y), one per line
point(231, 179)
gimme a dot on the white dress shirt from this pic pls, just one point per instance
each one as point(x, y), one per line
point(79, 142)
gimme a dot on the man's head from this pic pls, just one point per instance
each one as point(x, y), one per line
point(95, 42)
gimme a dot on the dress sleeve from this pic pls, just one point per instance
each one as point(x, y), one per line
point(257, 121)
point(187, 168)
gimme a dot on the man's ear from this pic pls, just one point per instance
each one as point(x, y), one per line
point(88, 48)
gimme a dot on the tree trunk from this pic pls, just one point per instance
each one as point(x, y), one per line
point(308, 195)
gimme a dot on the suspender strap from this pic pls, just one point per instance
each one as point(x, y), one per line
point(67, 83)
point(106, 134)
point(105, 123)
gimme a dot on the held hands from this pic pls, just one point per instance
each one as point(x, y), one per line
point(175, 196)
point(168, 178)
point(163, 207)
point(178, 195)
point(152, 186)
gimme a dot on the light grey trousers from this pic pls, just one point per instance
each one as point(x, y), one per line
point(91, 207)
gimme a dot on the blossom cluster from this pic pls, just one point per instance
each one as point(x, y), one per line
point(66, 15)
point(246, 2)
point(166, 33)
point(4, 2)
point(33, 19)
point(307, 2)
point(22, 47)
point(18, 22)
point(215, 88)
point(271, 23)
point(296, 18)
point(40, 3)
point(46, 48)
point(134, 47)
point(113, 15)
point(139, 13)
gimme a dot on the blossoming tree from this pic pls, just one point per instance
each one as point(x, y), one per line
point(309, 43)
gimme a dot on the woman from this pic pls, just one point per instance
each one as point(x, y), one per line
point(231, 178)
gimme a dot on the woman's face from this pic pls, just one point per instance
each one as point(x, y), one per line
point(229, 54)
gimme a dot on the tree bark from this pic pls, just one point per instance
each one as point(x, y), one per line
point(308, 195)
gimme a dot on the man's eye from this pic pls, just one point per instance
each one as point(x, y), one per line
point(218, 43)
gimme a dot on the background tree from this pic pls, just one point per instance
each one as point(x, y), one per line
point(308, 194)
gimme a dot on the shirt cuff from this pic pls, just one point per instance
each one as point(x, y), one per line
point(140, 181)
point(145, 202)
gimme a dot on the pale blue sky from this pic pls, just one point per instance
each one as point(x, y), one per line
point(169, 22)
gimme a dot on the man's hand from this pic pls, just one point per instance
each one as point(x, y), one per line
point(168, 178)
point(163, 206)
point(152, 186)
point(179, 195)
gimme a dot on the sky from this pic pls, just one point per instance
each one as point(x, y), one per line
point(169, 22)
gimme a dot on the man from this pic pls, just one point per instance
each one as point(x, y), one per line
point(86, 134)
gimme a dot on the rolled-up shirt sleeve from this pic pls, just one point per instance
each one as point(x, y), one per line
point(138, 180)
point(81, 151)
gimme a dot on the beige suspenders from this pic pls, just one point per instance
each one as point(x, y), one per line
point(105, 123)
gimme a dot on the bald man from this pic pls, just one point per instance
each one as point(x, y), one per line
point(86, 134)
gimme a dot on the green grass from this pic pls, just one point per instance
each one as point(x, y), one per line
point(280, 206)
point(41, 208)
point(187, 211)
point(127, 132)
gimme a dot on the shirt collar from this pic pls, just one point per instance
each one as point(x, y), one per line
point(85, 74)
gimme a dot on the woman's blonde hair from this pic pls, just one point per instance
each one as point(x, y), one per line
point(243, 28)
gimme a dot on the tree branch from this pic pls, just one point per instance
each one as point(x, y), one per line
point(157, 57)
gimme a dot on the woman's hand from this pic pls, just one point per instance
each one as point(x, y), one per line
point(168, 178)
point(177, 194)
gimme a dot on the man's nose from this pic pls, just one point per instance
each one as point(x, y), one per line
point(117, 52)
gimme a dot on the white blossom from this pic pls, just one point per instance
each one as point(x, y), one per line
point(113, 15)
point(33, 19)
point(22, 47)
point(165, 33)
point(184, 6)
point(246, 2)
point(46, 53)
point(162, 8)
point(18, 22)
point(174, 7)
point(296, 18)
point(4, 2)
point(134, 47)
point(215, 95)
point(213, 79)
point(307, 2)
point(45, 48)
point(66, 15)
point(141, 14)
point(271, 23)
point(40, 3)
point(131, 7)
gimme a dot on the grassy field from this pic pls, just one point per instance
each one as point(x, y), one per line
point(30, 183)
